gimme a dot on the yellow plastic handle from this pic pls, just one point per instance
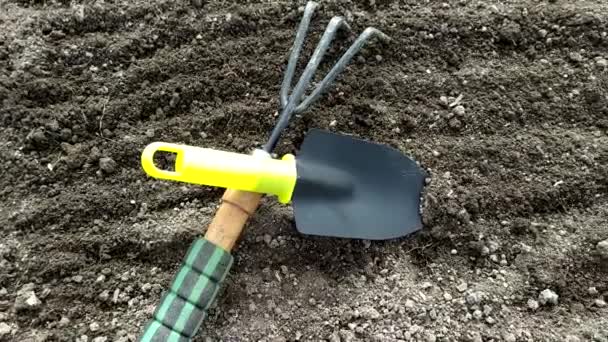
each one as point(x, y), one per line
point(223, 169)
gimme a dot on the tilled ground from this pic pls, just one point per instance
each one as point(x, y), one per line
point(504, 103)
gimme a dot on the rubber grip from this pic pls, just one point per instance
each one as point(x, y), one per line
point(193, 290)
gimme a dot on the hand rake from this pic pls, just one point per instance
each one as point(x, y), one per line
point(339, 186)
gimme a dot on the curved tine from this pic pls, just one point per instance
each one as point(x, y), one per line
point(295, 52)
point(339, 67)
point(333, 26)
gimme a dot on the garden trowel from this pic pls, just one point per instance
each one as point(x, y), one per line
point(339, 186)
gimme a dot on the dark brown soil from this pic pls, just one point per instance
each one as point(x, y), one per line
point(517, 202)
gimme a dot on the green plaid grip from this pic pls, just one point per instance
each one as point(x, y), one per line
point(193, 290)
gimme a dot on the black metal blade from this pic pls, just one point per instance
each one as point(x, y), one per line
point(352, 188)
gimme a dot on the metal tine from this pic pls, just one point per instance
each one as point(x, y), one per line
point(340, 66)
point(317, 56)
point(298, 91)
point(295, 52)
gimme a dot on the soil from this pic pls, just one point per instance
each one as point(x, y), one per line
point(516, 204)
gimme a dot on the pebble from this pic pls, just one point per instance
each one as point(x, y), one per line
point(3, 292)
point(462, 287)
point(476, 337)
point(107, 165)
point(100, 279)
point(27, 300)
point(459, 110)
point(104, 295)
point(94, 326)
point(575, 57)
point(77, 279)
point(547, 296)
point(146, 287)
point(477, 314)
point(347, 336)
point(447, 296)
point(602, 248)
point(593, 291)
point(509, 337)
point(100, 339)
point(601, 62)
point(333, 123)
point(334, 337)
point(409, 304)
point(473, 298)
point(532, 304)
point(63, 322)
point(542, 33)
point(369, 312)
point(5, 329)
point(572, 338)
point(600, 303)
point(490, 320)
point(430, 337)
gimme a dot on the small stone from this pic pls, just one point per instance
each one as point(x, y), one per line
point(444, 100)
point(94, 326)
point(453, 252)
point(107, 165)
point(490, 320)
point(459, 110)
point(430, 337)
point(150, 133)
point(370, 313)
point(100, 339)
point(77, 279)
point(333, 123)
point(462, 287)
point(27, 300)
point(572, 338)
point(106, 271)
point(478, 314)
point(532, 304)
point(542, 33)
point(447, 296)
point(600, 303)
point(378, 58)
point(593, 291)
point(436, 153)
point(476, 337)
point(575, 57)
point(485, 250)
point(509, 337)
point(347, 336)
point(548, 297)
point(601, 62)
point(473, 298)
point(602, 248)
point(63, 322)
point(104, 295)
point(494, 258)
point(5, 329)
point(334, 337)
point(100, 279)
point(146, 287)
point(3, 292)
point(409, 304)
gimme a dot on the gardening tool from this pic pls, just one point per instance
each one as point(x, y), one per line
point(339, 186)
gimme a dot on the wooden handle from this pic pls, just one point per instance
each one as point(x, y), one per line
point(230, 219)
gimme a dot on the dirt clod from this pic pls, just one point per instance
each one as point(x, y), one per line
point(107, 165)
point(547, 296)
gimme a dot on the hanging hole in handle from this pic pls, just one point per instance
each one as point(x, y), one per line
point(165, 160)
